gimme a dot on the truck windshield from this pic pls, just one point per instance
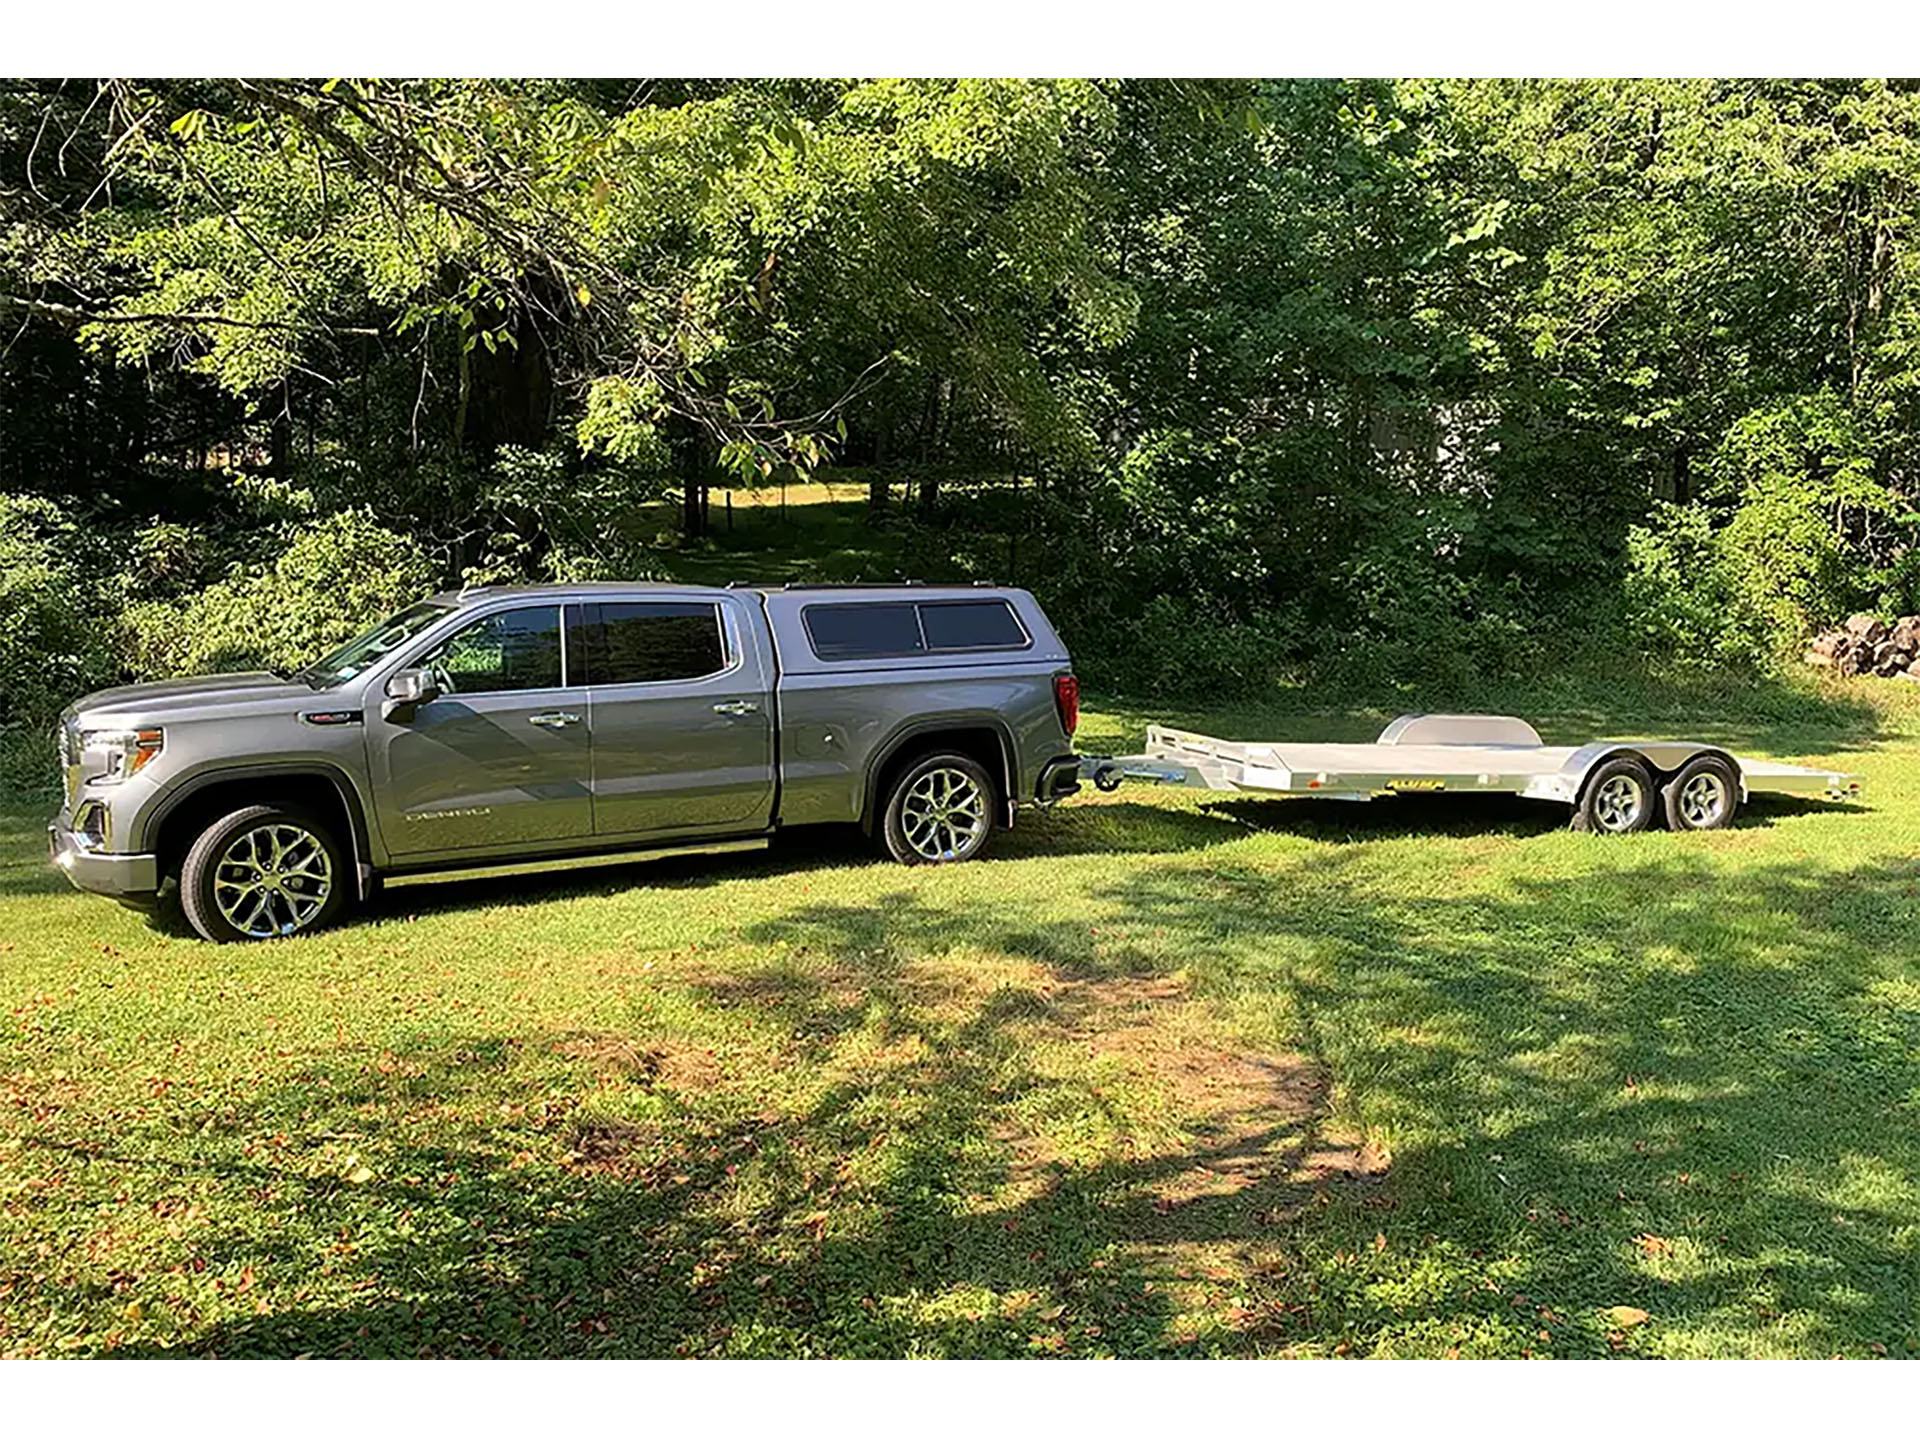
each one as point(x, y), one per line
point(356, 655)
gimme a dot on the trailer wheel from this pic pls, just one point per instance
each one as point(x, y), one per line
point(1703, 796)
point(1618, 799)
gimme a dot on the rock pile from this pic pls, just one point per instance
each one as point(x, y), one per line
point(1869, 646)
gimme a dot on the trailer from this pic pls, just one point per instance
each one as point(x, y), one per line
point(1613, 787)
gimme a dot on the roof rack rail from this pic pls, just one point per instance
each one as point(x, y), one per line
point(854, 585)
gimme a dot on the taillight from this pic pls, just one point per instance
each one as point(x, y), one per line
point(1066, 697)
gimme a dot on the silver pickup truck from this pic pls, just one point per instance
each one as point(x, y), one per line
point(545, 724)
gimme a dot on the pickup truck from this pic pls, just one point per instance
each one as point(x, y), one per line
point(539, 725)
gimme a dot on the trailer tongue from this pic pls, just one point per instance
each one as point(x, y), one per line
point(1613, 786)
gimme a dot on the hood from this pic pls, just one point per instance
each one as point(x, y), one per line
point(159, 698)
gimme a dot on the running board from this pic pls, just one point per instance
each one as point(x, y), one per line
point(484, 871)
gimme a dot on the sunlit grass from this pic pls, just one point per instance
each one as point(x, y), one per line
point(1165, 1075)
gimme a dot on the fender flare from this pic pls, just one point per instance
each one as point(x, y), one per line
point(1661, 757)
point(884, 754)
point(359, 835)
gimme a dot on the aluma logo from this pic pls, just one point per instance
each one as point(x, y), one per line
point(449, 814)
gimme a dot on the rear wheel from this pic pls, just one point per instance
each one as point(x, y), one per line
point(939, 811)
point(1703, 796)
point(1618, 799)
point(262, 872)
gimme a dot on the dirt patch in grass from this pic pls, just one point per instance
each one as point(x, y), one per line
point(666, 1064)
point(602, 1142)
point(1257, 1119)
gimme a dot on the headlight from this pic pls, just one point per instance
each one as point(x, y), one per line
point(126, 752)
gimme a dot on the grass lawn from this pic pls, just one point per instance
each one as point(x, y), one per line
point(1165, 1075)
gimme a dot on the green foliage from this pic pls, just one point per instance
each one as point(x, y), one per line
point(1796, 531)
point(54, 631)
point(333, 579)
point(1676, 591)
point(1376, 380)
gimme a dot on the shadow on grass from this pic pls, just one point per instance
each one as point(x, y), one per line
point(1657, 1086)
point(1101, 828)
point(1126, 828)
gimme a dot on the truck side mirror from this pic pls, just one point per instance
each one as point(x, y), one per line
point(407, 690)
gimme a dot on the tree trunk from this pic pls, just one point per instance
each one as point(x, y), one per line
point(692, 507)
point(929, 444)
point(878, 491)
point(280, 441)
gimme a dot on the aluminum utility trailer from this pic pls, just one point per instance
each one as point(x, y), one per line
point(1613, 786)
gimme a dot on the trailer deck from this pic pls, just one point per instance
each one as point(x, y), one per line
point(1425, 754)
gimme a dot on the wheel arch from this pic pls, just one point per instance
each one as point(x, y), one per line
point(328, 791)
point(1663, 758)
point(983, 737)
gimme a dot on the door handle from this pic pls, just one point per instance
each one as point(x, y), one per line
point(736, 707)
point(554, 719)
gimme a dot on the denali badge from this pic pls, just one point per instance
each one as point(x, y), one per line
point(449, 814)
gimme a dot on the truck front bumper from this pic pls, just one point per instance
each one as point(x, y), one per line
point(101, 871)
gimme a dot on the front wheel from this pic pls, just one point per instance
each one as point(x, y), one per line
point(262, 872)
point(1618, 799)
point(939, 811)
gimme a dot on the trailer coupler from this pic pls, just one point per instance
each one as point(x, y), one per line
point(1109, 772)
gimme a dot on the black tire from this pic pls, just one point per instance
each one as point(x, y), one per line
point(928, 821)
point(1619, 798)
point(1704, 795)
point(214, 882)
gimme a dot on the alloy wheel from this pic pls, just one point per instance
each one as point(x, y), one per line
point(943, 814)
point(1619, 803)
point(1703, 800)
point(273, 880)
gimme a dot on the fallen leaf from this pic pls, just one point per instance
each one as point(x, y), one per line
point(1627, 1316)
point(1653, 1245)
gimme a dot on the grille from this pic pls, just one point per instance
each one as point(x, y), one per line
point(66, 740)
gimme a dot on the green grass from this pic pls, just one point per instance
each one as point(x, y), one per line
point(822, 533)
point(1165, 1075)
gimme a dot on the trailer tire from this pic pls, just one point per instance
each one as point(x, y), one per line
point(939, 811)
point(1703, 796)
point(1618, 798)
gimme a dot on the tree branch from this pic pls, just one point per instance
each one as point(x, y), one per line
point(73, 315)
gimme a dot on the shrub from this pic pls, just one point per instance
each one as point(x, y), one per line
point(54, 637)
point(334, 578)
point(1678, 604)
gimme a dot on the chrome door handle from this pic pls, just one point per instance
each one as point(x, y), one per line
point(736, 707)
point(554, 719)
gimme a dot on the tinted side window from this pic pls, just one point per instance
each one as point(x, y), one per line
point(513, 650)
point(635, 643)
point(971, 625)
point(848, 632)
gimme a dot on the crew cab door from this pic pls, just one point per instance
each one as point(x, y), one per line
point(502, 757)
point(681, 713)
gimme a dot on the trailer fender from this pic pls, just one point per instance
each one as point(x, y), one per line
point(1662, 757)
